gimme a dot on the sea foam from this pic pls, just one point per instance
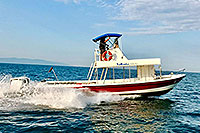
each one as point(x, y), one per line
point(53, 97)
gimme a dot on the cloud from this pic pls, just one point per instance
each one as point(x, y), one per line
point(67, 1)
point(151, 16)
point(158, 16)
point(106, 3)
point(108, 24)
point(153, 30)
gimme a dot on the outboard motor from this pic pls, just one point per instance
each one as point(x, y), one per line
point(17, 84)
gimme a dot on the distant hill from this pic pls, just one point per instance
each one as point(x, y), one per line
point(29, 61)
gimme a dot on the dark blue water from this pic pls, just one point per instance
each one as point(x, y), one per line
point(59, 110)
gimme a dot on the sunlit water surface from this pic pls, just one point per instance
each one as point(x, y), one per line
point(60, 109)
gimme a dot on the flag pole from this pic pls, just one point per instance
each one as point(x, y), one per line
point(51, 69)
point(55, 74)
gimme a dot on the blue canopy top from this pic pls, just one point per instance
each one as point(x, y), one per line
point(106, 35)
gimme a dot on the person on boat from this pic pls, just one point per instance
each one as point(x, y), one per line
point(102, 47)
point(116, 44)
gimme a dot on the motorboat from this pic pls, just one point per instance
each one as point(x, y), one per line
point(112, 72)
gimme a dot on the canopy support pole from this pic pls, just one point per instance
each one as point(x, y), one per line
point(123, 74)
point(109, 73)
point(102, 73)
point(130, 72)
point(90, 70)
point(105, 75)
point(97, 75)
point(160, 72)
point(91, 74)
point(113, 73)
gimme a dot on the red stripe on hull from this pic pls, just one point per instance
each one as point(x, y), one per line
point(133, 87)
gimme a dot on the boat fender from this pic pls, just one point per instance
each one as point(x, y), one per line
point(104, 56)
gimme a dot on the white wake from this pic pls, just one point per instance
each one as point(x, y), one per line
point(50, 96)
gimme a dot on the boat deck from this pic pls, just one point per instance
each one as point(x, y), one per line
point(109, 81)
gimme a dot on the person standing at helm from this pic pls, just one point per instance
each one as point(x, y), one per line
point(102, 47)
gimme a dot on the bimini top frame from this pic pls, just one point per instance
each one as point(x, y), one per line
point(103, 36)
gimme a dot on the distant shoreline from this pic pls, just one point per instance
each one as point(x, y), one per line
point(16, 60)
point(16, 63)
point(75, 66)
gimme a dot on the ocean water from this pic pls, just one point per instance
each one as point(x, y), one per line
point(65, 110)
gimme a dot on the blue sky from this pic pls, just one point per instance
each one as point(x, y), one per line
point(61, 30)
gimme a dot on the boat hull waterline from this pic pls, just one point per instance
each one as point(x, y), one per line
point(154, 88)
point(145, 88)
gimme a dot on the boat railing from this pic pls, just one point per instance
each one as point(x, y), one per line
point(96, 54)
point(91, 66)
point(116, 81)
